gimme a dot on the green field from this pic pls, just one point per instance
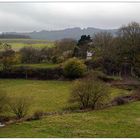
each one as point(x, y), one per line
point(120, 121)
point(17, 44)
point(26, 41)
point(40, 65)
point(46, 95)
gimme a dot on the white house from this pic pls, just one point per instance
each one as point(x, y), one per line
point(89, 55)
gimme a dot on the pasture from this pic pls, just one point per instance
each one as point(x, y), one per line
point(46, 95)
point(17, 44)
point(119, 122)
point(40, 65)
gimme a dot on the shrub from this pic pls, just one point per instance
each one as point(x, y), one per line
point(32, 73)
point(96, 75)
point(54, 59)
point(126, 99)
point(30, 55)
point(91, 64)
point(74, 68)
point(103, 77)
point(57, 60)
point(4, 118)
point(136, 94)
point(37, 115)
point(19, 106)
point(60, 59)
point(119, 101)
point(7, 58)
point(89, 93)
point(3, 100)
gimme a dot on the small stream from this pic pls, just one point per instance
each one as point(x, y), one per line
point(2, 125)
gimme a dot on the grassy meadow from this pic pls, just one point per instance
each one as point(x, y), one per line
point(48, 95)
point(45, 95)
point(120, 121)
point(17, 44)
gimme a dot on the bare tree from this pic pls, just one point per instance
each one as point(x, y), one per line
point(104, 45)
point(88, 93)
point(129, 36)
point(19, 106)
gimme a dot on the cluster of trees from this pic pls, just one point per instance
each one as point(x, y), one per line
point(63, 50)
point(118, 54)
point(114, 55)
point(82, 47)
point(7, 56)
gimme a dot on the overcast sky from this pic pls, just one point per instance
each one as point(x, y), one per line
point(53, 16)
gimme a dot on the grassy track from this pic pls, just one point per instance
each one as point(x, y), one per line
point(120, 121)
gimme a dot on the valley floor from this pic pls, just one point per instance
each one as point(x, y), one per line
point(118, 121)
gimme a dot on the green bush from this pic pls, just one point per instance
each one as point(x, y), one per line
point(54, 59)
point(37, 115)
point(74, 68)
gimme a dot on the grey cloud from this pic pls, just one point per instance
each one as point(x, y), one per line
point(51, 16)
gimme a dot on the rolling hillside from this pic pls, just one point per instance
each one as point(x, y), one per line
point(73, 33)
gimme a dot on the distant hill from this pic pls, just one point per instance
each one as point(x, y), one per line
point(13, 36)
point(73, 33)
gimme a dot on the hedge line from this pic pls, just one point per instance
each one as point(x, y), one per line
point(32, 73)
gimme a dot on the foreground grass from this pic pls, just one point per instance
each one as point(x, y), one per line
point(120, 121)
